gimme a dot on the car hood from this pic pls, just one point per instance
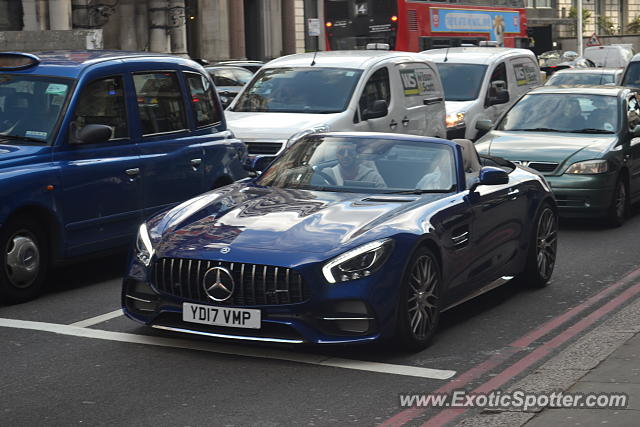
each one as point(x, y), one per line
point(287, 220)
point(10, 153)
point(273, 125)
point(544, 146)
point(458, 106)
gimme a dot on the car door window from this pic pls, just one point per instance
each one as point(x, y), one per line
point(102, 102)
point(633, 112)
point(377, 88)
point(160, 102)
point(205, 108)
point(498, 80)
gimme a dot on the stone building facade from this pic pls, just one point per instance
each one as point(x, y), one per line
point(210, 29)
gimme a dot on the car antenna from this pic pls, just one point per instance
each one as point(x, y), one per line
point(446, 53)
point(313, 61)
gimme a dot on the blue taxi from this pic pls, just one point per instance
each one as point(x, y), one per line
point(93, 142)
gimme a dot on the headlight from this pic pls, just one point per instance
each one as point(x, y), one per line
point(296, 136)
point(359, 262)
point(144, 249)
point(590, 167)
point(455, 119)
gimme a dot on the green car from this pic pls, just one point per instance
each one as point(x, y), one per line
point(585, 140)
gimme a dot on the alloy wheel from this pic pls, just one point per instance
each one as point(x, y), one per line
point(546, 242)
point(423, 298)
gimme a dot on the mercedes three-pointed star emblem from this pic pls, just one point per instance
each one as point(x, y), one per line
point(218, 284)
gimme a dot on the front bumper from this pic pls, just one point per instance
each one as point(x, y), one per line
point(586, 196)
point(361, 310)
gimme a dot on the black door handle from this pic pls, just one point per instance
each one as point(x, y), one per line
point(405, 122)
point(393, 125)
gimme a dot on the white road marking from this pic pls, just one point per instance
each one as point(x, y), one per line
point(98, 319)
point(412, 371)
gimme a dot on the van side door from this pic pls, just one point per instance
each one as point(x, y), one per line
point(100, 195)
point(171, 156)
point(377, 88)
point(423, 100)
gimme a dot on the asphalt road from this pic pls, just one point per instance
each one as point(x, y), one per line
point(116, 372)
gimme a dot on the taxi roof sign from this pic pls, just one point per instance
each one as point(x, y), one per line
point(17, 60)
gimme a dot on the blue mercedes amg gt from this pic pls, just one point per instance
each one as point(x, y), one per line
point(345, 238)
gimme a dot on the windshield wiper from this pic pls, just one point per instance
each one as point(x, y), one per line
point(420, 191)
point(23, 138)
point(591, 130)
point(537, 130)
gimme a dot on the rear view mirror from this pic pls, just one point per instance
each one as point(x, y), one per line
point(484, 124)
point(377, 110)
point(92, 134)
point(257, 164)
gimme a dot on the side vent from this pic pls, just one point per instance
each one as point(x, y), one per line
point(412, 20)
point(460, 237)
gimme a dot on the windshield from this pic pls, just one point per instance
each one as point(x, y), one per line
point(632, 75)
point(461, 81)
point(230, 76)
point(359, 165)
point(299, 90)
point(595, 78)
point(30, 107)
point(572, 112)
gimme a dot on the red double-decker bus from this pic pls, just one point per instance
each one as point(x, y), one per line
point(415, 25)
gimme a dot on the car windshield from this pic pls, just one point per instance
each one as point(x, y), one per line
point(30, 107)
point(230, 76)
point(595, 78)
point(299, 90)
point(461, 81)
point(632, 75)
point(572, 112)
point(363, 165)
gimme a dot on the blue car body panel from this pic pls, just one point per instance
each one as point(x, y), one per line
point(300, 230)
point(83, 193)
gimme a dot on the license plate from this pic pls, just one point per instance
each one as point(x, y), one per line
point(221, 316)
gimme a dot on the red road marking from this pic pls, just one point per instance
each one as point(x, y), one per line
point(449, 414)
point(409, 414)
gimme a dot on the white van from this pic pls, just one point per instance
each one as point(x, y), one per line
point(371, 91)
point(615, 56)
point(481, 83)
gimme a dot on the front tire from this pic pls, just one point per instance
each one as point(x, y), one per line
point(541, 257)
point(23, 260)
point(619, 205)
point(419, 302)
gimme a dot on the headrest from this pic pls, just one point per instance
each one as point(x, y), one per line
point(470, 158)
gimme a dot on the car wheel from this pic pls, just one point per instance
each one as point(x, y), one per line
point(541, 257)
point(23, 261)
point(619, 205)
point(419, 302)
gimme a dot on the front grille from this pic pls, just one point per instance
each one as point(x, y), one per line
point(255, 284)
point(264, 147)
point(544, 167)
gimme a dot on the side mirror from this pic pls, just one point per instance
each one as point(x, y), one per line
point(92, 134)
point(636, 131)
point(377, 110)
point(257, 164)
point(498, 93)
point(484, 124)
point(490, 175)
